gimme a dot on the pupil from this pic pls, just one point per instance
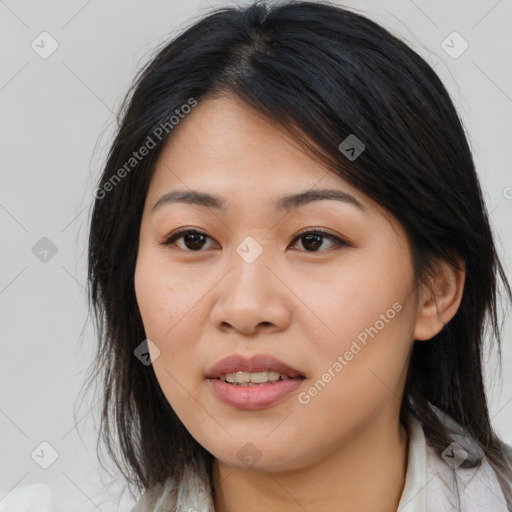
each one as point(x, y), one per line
point(193, 241)
point(316, 243)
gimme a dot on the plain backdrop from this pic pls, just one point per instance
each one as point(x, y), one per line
point(57, 120)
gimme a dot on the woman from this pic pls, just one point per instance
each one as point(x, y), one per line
point(291, 267)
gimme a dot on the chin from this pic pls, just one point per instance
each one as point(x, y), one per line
point(252, 457)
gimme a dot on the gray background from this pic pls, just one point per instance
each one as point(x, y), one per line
point(57, 119)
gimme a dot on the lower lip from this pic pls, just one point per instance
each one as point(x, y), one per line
point(254, 397)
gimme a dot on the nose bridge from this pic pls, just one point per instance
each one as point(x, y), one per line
point(250, 294)
point(250, 260)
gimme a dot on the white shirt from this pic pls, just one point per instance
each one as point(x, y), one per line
point(414, 494)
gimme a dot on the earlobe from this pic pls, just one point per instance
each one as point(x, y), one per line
point(439, 299)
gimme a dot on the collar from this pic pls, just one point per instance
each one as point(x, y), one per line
point(414, 494)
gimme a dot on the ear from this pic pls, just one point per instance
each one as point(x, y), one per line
point(439, 299)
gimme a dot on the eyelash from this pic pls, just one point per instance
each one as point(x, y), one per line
point(338, 242)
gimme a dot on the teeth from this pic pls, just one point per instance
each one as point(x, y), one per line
point(250, 379)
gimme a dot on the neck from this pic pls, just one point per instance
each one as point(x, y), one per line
point(366, 473)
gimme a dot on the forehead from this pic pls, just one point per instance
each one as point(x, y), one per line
point(227, 148)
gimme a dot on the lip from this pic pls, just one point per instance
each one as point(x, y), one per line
point(253, 397)
point(256, 363)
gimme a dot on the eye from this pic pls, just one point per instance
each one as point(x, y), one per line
point(194, 240)
point(312, 239)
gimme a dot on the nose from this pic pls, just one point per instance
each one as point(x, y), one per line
point(252, 297)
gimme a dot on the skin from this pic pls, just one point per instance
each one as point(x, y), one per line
point(345, 449)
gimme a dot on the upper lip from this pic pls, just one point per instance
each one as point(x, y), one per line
point(256, 363)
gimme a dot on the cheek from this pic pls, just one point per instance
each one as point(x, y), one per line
point(355, 380)
point(172, 318)
point(150, 295)
point(370, 318)
point(347, 301)
point(164, 296)
point(167, 316)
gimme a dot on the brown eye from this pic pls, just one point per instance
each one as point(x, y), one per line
point(312, 240)
point(193, 239)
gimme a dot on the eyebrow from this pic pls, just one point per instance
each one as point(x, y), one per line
point(286, 203)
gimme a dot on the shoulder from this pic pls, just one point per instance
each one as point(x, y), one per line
point(454, 487)
point(462, 489)
point(159, 498)
point(191, 491)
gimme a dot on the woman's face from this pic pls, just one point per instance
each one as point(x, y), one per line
point(340, 311)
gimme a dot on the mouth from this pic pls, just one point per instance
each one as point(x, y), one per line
point(258, 369)
point(253, 383)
